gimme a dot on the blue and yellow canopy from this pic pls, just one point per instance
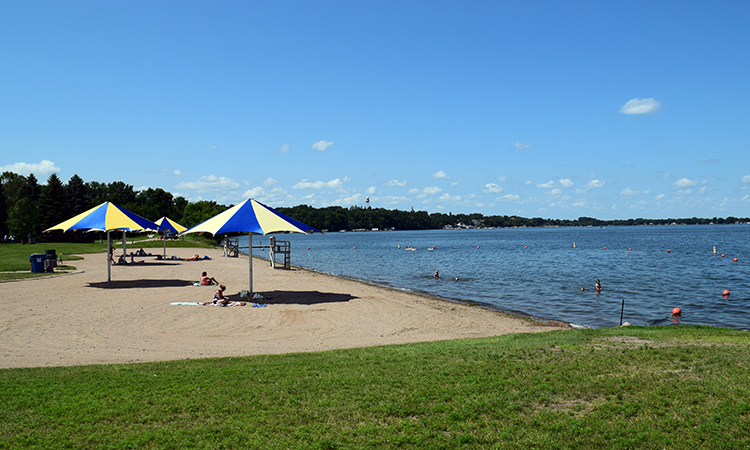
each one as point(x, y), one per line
point(167, 224)
point(253, 217)
point(106, 217)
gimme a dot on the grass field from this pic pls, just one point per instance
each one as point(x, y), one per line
point(15, 257)
point(673, 387)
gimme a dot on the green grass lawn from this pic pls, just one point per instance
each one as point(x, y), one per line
point(675, 387)
point(15, 257)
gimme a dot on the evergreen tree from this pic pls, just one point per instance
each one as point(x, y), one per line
point(52, 203)
point(76, 196)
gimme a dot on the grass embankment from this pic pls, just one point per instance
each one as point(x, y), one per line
point(666, 387)
point(15, 257)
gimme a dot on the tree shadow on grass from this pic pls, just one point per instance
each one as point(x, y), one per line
point(146, 283)
point(303, 297)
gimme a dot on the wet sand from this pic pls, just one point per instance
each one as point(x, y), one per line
point(80, 319)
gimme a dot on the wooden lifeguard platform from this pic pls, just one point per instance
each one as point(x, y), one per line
point(277, 250)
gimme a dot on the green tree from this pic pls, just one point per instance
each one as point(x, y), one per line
point(197, 212)
point(52, 203)
point(76, 195)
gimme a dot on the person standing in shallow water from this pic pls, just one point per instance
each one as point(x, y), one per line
point(598, 285)
point(437, 274)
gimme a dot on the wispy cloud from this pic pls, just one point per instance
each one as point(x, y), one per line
point(746, 179)
point(421, 193)
point(595, 184)
point(208, 183)
point(641, 106)
point(565, 182)
point(708, 160)
point(177, 172)
point(46, 167)
point(269, 182)
point(333, 184)
point(440, 175)
point(684, 182)
point(285, 148)
point(492, 188)
point(519, 147)
point(546, 185)
point(322, 146)
point(395, 183)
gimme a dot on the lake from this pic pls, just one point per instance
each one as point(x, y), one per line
point(539, 272)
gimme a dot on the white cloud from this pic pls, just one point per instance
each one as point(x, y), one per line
point(421, 193)
point(46, 167)
point(684, 182)
point(370, 190)
point(684, 192)
point(519, 147)
point(269, 182)
point(546, 185)
point(556, 191)
point(528, 182)
point(450, 198)
point(509, 198)
point(565, 182)
point(579, 205)
point(322, 146)
point(254, 192)
point(501, 178)
point(492, 188)
point(628, 192)
point(660, 196)
point(285, 148)
point(746, 179)
point(208, 183)
point(595, 184)
point(394, 183)
point(703, 190)
point(440, 175)
point(641, 106)
point(177, 172)
point(333, 184)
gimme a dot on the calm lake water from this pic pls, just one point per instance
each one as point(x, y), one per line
point(538, 272)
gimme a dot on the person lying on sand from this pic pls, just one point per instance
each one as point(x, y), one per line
point(196, 257)
point(206, 280)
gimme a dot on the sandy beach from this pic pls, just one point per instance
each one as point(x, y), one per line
point(79, 319)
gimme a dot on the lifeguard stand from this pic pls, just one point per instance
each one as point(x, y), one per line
point(283, 248)
point(231, 247)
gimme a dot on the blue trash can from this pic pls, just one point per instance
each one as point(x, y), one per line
point(37, 262)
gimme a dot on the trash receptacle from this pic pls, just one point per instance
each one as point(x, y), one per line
point(37, 262)
point(51, 261)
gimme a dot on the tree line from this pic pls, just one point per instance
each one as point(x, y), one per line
point(28, 208)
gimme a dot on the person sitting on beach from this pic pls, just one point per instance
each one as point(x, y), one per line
point(140, 253)
point(206, 280)
point(121, 259)
point(219, 298)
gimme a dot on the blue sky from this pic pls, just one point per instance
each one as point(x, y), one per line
point(553, 109)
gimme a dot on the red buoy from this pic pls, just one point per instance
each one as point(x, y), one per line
point(735, 260)
point(676, 311)
point(669, 251)
point(308, 248)
point(477, 246)
point(605, 248)
point(722, 255)
point(630, 249)
point(725, 293)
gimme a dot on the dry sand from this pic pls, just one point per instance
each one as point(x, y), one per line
point(79, 319)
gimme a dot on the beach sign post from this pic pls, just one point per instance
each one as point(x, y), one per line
point(106, 217)
point(252, 217)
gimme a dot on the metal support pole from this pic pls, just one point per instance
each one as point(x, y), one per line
point(109, 259)
point(250, 254)
point(622, 309)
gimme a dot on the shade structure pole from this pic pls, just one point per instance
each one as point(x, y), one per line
point(124, 243)
point(165, 245)
point(250, 253)
point(109, 259)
